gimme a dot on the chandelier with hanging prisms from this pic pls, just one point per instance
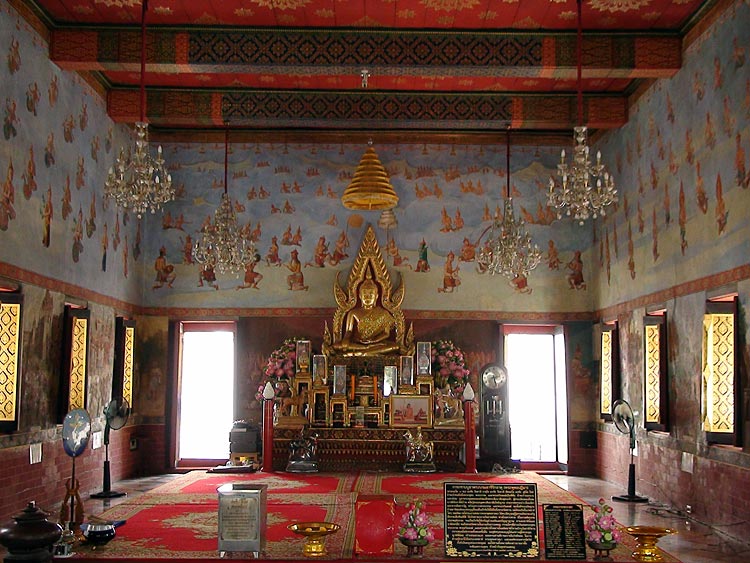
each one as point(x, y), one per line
point(508, 249)
point(137, 182)
point(222, 247)
point(585, 189)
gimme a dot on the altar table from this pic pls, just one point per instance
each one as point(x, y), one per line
point(376, 449)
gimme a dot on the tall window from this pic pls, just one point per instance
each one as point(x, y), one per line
point(656, 388)
point(609, 370)
point(537, 393)
point(206, 391)
point(10, 360)
point(721, 385)
point(122, 377)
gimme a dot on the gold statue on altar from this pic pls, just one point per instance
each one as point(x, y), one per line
point(368, 320)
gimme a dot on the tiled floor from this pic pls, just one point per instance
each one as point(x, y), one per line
point(694, 542)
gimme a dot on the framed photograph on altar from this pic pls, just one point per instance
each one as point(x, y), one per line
point(424, 358)
point(406, 373)
point(320, 369)
point(409, 411)
point(303, 356)
point(390, 380)
point(339, 380)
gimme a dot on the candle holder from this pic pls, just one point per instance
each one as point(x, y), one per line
point(314, 534)
point(645, 542)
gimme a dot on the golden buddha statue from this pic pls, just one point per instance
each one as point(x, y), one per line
point(368, 320)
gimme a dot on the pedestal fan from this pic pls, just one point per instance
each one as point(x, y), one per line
point(116, 415)
point(75, 436)
point(622, 416)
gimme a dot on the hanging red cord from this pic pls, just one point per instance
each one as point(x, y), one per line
point(226, 157)
point(507, 163)
point(579, 49)
point(143, 60)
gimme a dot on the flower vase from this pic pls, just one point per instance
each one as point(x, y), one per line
point(602, 549)
point(414, 547)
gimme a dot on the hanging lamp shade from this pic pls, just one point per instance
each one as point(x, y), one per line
point(370, 189)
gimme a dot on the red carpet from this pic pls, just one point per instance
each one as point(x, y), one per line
point(178, 520)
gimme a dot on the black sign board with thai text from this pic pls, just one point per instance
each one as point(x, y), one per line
point(563, 532)
point(491, 520)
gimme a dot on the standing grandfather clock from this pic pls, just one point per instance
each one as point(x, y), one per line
point(494, 427)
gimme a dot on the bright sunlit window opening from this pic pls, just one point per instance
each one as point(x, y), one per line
point(206, 394)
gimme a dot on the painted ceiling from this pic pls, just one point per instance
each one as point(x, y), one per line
point(364, 65)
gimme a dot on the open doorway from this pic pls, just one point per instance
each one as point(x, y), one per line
point(205, 393)
point(537, 393)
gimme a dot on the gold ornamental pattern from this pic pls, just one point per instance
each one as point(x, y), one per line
point(606, 374)
point(653, 373)
point(127, 376)
point(78, 365)
point(718, 372)
point(10, 319)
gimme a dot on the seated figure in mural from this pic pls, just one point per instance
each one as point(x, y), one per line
point(369, 327)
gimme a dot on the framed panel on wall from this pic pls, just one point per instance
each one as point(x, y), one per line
point(721, 390)
point(656, 387)
point(73, 376)
point(122, 376)
point(10, 360)
point(609, 370)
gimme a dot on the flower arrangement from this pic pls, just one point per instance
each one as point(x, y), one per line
point(415, 524)
point(449, 366)
point(601, 526)
point(281, 366)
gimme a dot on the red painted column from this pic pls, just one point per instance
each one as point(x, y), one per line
point(470, 433)
point(268, 400)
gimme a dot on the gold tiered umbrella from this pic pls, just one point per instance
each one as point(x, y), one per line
point(370, 189)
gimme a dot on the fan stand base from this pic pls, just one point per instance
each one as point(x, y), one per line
point(108, 494)
point(628, 498)
point(631, 496)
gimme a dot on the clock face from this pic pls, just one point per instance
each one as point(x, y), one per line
point(494, 376)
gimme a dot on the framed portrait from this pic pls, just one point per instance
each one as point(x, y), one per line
point(409, 411)
point(303, 356)
point(320, 369)
point(339, 380)
point(406, 373)
point(390, 380)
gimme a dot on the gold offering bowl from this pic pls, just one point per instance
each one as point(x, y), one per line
point(645, 541)
point(314, 533)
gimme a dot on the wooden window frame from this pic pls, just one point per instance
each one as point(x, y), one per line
point(656, 322)
point(13, 347)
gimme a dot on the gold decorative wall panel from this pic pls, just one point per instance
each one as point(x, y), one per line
point(653, 373)
point(718, 373)
point(127, 377)
point(605, 376)
point(10, 322)
point(77, 397)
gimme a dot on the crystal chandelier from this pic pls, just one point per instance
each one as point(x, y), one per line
point(585, 189)
point(137, 182)
point(222, 247)
point(508, 249)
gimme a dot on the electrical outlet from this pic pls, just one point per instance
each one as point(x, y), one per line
point(133, 444)
point(35, 453)
point(688, 509)
point(96, 440)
